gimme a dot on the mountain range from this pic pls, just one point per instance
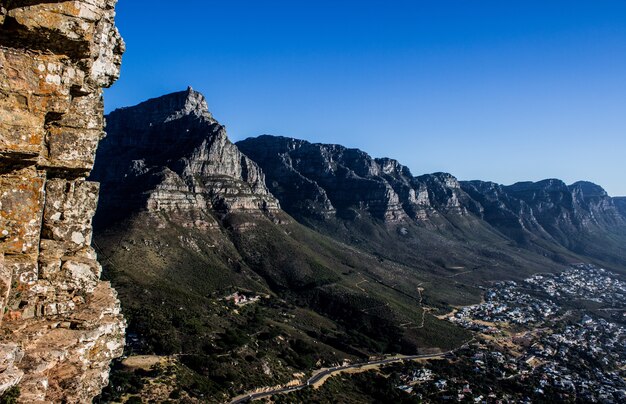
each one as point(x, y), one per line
point(335, 255)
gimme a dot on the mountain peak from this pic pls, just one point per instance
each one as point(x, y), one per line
point(189, 102)
point(588, 188)
point(167, 108)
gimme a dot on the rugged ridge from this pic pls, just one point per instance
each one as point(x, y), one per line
point(373, 252)
point(179, 195)
point(170, 154)
point(323, 180)
point(319, 182)
point(620, 204)
point(60, 324)
point(580, 217)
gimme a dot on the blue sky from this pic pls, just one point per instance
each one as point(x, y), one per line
point(494, 90)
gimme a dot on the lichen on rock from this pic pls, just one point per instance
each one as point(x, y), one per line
point(60, 326)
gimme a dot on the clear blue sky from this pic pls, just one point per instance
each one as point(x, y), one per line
point(494, 90)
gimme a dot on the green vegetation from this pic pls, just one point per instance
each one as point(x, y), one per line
point(367, 387)
point(318, 300)
point(11, 396)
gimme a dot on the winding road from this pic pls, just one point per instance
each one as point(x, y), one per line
point(330, 372)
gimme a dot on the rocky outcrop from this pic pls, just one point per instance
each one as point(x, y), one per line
point(620, 204)
point(548, 208)
point(319, 180)
point(169, 154)
point(580, 217)
point(60, 325)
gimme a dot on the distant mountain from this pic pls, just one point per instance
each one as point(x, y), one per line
point(336, 255)
point(321, 181)
point(580, 217)
point(186, 222)
point(620, 204)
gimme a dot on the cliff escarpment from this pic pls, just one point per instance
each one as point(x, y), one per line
point(580, 217)
point(325, 183)
point(60, 325)
point(325, 180)
point(169, 154)
point(214, 274)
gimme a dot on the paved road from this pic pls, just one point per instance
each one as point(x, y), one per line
point(327, 372)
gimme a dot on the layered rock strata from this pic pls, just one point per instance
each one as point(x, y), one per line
point(170, 155)
point(547, 209)
point(60, 325)
point(323, 180)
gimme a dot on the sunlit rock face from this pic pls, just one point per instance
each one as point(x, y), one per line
point(323, 180)
point(60, 326)
point(170, 155)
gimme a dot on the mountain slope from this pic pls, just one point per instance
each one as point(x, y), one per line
point(581, 217)
point(331, 187)
point(214, 273)
point(620, 204)
point(187, 230)
point(169, 154)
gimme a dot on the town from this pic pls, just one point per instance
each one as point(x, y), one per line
point(549, 337)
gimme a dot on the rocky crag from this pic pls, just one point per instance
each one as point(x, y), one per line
point(60, 325)
point(580, 217)
point(170, 155)
point(620, 204)
point(322, 181)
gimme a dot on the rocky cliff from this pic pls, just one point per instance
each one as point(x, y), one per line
point(170, 154)
point(319, 181)
point(620, 204)
point(553, 211)
point(60, 325)
point(322, 180)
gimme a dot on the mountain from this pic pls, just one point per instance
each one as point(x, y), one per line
point(341, 184)
point(620, 204)
point(169, 154)
point(246, 264)
point(316, 180)
point(187, 230)
point(580, 217)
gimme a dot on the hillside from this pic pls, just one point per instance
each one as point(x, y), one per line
point(344, 187)
point(251, 265)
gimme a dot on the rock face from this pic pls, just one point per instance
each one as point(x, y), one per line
point(319, 180)
point(620, 204)
point(548, 209)
point(170, 154)
point(60, 324)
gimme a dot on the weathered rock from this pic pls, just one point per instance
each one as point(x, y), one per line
point(55, 57)
point(169, 154)
point(620, 204)
point(10, 374)
point(580, 217)
point(319, 180)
